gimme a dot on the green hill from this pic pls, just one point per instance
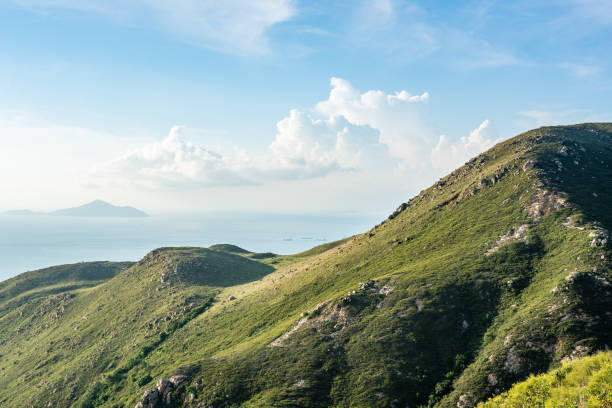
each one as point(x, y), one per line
point(586, 382)
point(498, 271)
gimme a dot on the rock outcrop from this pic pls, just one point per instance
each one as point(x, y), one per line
point(166, 392)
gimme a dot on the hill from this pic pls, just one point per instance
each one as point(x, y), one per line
point(585, 382)
point(498, 271)
point(99, 208)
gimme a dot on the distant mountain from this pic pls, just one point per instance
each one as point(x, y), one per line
point(99, 208)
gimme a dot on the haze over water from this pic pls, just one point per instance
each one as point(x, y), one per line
point(34, 242)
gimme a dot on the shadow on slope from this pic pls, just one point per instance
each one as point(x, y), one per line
point(581, 166)
point(201, 266)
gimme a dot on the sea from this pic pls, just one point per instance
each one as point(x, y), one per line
point(29, 242)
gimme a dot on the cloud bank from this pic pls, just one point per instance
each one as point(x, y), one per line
point(351, 131)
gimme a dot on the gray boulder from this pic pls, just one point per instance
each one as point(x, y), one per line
point(150, 399)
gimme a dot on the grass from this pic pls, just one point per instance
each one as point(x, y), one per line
point(583, 383)
point(413, 312)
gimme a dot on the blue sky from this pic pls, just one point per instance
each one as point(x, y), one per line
point(278, 104)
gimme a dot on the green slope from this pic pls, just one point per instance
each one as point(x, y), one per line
point(498, 271)
point(56, 279)
point(586, 382)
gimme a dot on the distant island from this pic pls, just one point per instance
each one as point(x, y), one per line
point(97, 208)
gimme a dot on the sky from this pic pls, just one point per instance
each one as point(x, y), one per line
point(280, 105)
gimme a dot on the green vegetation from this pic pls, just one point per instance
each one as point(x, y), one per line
point(586, 382)
point(56, 279)
point(498, 271)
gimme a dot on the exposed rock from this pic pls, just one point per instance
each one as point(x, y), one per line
point(230, 298)
point(594, 277)
point(513, 362)
point(398, 211)
point(369, 285)
point(515, 234)
point(162, 385)
point(571, 223)
point(546, 201)
point(167, 399)
point(325, 315)
point(178, 381)
point(529, 164)
point(279, 341)
point(492, 379)
point(162, 395)
point(149, 399)
point(599, 237)
point(577, 352)
point(465, 401)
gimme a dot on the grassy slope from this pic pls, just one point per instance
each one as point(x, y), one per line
point(413, 312)
point(583, 383)
point(57, 279)
point(80, 346)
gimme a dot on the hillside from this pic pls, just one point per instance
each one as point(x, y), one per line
point(56, 279)
point(586, 382)
point(498, 271)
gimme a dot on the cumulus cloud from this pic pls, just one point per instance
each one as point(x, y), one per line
point(448, 155)
point(400, 117)
point(303, 148)
point(229, 25)
point(369, 133)
point(174, 162)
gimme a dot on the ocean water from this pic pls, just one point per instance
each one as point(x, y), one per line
point(34, 242)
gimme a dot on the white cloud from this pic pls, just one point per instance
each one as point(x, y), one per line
point(364, 136)
point(448, 155)
point(371, 134)
point(400, 117)
point(372, 148)
point(174, 163)
point(229, 25)
point(303, 148)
